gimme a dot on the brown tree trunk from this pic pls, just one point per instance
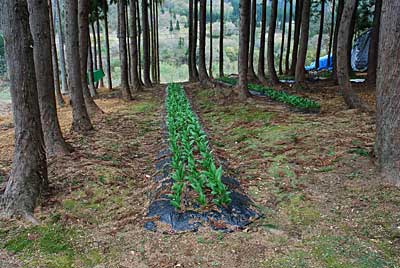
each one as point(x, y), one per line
point(331, 33)
point(54, 59)
point(287, 66)
point(321, 32)
point(28, 176)
point(61, 42)
point(373, 49)
point(252, 73)
point(261, 57)
point(90, 66)
point(190, 61)
point(152, 42)
point(40, 21)
point(283, 39)
point(146, 44)
point(157, 46)
point(80, 117)
point(221, 39)
point(128, 44)
point(349, 95)
point(300, 75)
point(296, 37)
point(96, 66)
point(335, 38)
point(108, 60)
point(243, 49)
point(211, 44)
point(351, 36)
point(134, 49)
point(99, 47)
point(203, 76)
point(92, 57)
point(195, 35)
point(123, 57)
point(138, 43)
point(273, 77)
point(388, 89)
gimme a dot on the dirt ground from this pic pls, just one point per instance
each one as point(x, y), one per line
point(312, 176)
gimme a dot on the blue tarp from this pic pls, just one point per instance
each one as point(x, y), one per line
point(323, 64)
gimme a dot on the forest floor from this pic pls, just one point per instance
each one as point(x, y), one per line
point(311, 175)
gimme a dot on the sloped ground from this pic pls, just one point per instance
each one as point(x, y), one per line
point(311, 175)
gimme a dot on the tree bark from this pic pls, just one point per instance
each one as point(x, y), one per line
point(134, 49)
point(350, 96)
point(388, 90)
point(108, 60)
point(195, 35)
point(123, 57)
point(61, 42)
point(211, 44)
point(221, 39)
point(138, 43)
point(283, 39)
point(190, 57)
point(287, 66)
point(90, 66)
point(296, 37)
point(96, 66)
point(373, 49)
point(40, 28)
point(331, 33)
point(152, 42)
point(335, 38)
point(261, 57)
point(80, 117)
point(243, 49)
point(99, 47)
point(321, 32)
point(28, 176)
point(146, 44)
point(253, 22)
point(128, 45)
point(273, 77)
point(203, 76)
point(54, 59)
point(300, 75)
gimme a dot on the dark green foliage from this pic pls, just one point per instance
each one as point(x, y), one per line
point(192, 162)
point(177, 27)
point(171, 26)
point(2, 57)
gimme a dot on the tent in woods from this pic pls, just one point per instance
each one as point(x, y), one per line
point(323, 64)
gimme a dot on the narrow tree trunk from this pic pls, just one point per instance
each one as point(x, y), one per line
point(296, 37)
point(203, 76)
point(287, 66)
point(40, 21)
point(99, 46)
point(158, 45)
point(261, 57)
point(80, 117)
point(243, 49)
point(253, 22)
point(211, 44)
point(373, 49)
point(146, 44)
point(331, 33)
point(221, 39)
point(283, 39)
point(54, 59)
point(138, 44)
point(349, 95)
point(96, 66)
point(128, 45)
point(335, 38)
point(351, 36)
point(134, 49)
point(29, 170)
point(90, 66)
point(321, 32)
point(108, 60)
point(153, 42)
point(123, 57)
point(195, 35)
point(388, 90)
point(190, 57)
point(64, 83)
point(273, 77)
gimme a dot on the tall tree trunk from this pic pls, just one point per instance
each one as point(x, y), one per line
point(195, 35)
point(388, 90)
point(123, 57)
point(96, 66)
point(221, 39)
point(300, 75)
point(203, 76)
point(40, 21)
point(90, 66)
point(261, 57)
point(134, 49)
point(296, 36)
point(138, 44)
point(83, 20)
point(146, 44)
point(253, 23)
point(190, 56)
point(108, 60)
point(153, 41)
point(54, 59)
point(351, 36)
point(243, 49)
point(349, 95)
point(61, 42)
point(80, 117)
point(157, 45)
point(283, 39)
point(273, 77)
point(128, 44)
point(287, 66)
point(335, 38)
point(321, 32)
point(99, 46)
point(28, 176)
point(211, 44)
point(331, 33)
point(373, 48)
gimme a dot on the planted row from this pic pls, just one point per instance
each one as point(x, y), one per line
point(192, 161)
point(281, 96)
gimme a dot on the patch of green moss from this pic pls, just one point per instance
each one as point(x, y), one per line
point(294, 259)
point(144, 107)
point(300, 211)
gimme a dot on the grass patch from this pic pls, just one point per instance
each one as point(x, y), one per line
point(144, 107)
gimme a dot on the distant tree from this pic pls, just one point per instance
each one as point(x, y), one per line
point(221, 39)
point(108, 60)
point(373, 49)
point(146, 43)
point(177, 27)
point(191, 61)
point(195, 35)
point(331, 33)
point(203, 76)
point(339, 13)
point(283, 38)
point(261, 57)
point(287, 66)
point(320, 33)
point(210, 73)
point(171, 27)
point(134, 48)
point(253, 23)
point(273, 77)
point(243, 63)
point(296, 37)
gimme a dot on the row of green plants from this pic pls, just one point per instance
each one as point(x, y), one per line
point(281, 96)
point(192, 161)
